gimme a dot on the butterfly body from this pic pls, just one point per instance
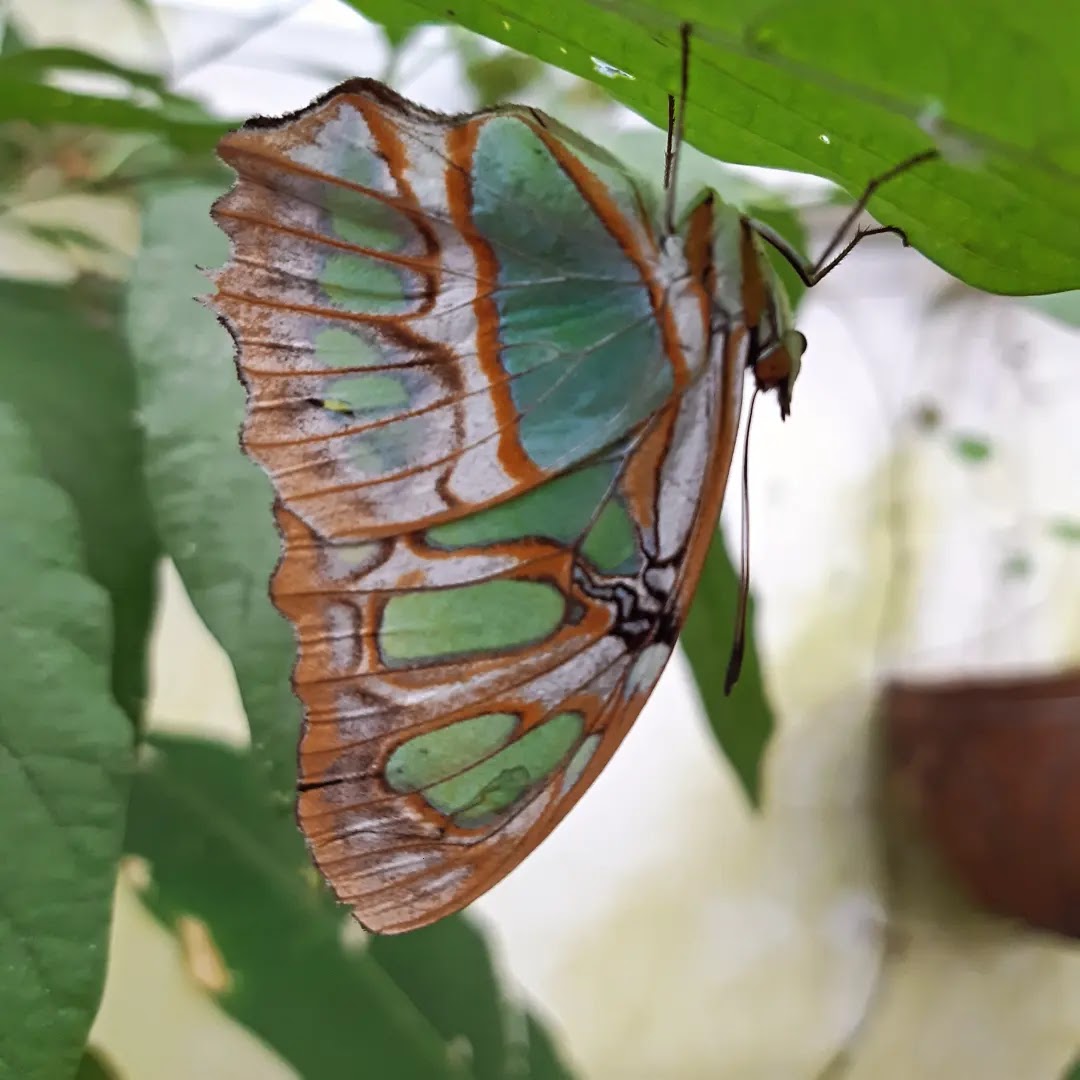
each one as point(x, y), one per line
point(498, 403)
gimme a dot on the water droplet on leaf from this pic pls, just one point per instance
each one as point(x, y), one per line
point(609, 70)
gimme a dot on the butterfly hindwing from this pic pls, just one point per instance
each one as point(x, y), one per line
point(498, 446)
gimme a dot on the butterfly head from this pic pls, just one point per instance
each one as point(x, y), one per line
point(777, 366)
point(775, 347)
point(726, 253)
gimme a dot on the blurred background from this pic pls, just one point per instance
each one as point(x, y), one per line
point(917, 517)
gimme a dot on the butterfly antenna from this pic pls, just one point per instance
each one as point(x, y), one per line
point(738, 643)
point(676, 127)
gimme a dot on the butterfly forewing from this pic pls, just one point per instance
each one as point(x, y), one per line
point(499, 426)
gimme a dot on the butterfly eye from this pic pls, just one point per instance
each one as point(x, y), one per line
point(796, 343)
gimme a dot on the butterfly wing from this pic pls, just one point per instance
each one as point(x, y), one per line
point(429, 308)
point(498, 453)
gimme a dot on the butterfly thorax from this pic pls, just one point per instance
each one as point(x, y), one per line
point(726, 257)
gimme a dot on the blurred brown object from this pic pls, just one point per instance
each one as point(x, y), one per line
point(991, 767)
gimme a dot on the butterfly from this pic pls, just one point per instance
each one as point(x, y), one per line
point(496, 388)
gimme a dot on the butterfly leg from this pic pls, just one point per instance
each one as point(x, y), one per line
point(676, 126)
point(812, 273)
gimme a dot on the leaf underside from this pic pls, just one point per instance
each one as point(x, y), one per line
point(846, 89)
point(64, 756)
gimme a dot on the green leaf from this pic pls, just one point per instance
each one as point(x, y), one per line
point(144, 7)
point(221, 853)
point(1073, 1071)
point(1016, 566)
point(500, 77)
point(33, 65)
point(398, 18)
point(743, 721)
point(1067, 530)
point(37, 65)
point(65, 752)
point(179, 123)
point(11, 40)
point(1063, 306)
point(447, 973)
point(212, 506)
point(973, 449)
point(880, 82)
point(68, 375)
point(543, 1059)
point(926, 416)
point(63, 236)
point(398, 29)
point(94, 1067)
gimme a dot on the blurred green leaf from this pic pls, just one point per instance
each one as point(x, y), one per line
point(973, 449)
point(501, 77)
point(1073, 1071)
point(34, 64)
point(1016, 566)
point(130, 161)
point(447, 973)
point(181, 124)
point(11, 40)
point(398, 18)
point(63, 236)
point(542, 1057)
point(214, 511)
point(211, 504)
point(926, 417)
point(94, 1067)
point(1066, 530)
point(496, 77)
point(398, 29)
point(66, 751)
point(743, 721)
point(222, 853)
point(848, 88)
point(1063, 306)
point(67, 373)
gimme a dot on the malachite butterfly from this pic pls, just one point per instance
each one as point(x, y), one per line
point(497, 393)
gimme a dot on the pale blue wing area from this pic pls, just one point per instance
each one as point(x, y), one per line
point(611, 371)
